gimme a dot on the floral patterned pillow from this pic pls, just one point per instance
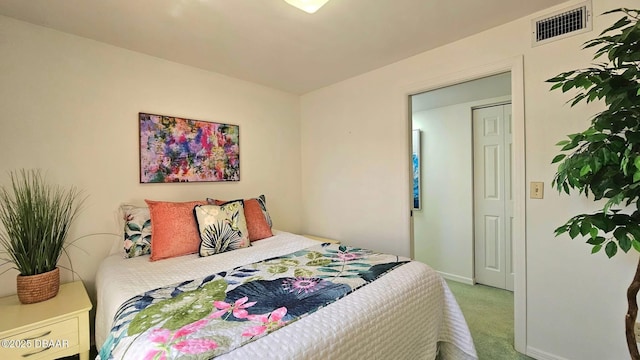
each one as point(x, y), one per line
point(137, 230)
point(221, 227)
point(255, 212)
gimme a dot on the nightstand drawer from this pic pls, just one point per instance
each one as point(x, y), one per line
point(41, 342)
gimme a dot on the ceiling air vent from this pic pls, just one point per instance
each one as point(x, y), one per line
point(562, 24)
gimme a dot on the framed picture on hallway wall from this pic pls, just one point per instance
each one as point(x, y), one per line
point(174, 149)
point(415, 163)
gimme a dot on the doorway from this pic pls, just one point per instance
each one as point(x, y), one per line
point(443, 227)
point(515, 67)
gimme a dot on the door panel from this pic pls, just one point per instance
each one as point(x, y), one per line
point(493, 214)
point(491, 167)
point(492, 243)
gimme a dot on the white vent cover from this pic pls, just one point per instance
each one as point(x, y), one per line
point(561, 24)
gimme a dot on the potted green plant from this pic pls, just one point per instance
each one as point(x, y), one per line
point(36, 217)
point(604, 160)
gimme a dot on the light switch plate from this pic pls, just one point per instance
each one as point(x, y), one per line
point(537, 190)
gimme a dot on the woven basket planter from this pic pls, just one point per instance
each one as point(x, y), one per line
point(40, 287)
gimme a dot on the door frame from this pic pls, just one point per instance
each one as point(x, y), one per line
point(515, 65)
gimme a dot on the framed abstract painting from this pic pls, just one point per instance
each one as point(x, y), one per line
point(174, 149)
point(415, 163)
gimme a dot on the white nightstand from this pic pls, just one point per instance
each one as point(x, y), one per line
point(321, 239)
point(50, 329)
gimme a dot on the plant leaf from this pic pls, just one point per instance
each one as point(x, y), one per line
point(611, 249)
point(574, 230)
point(621, 234)
point(585, 227)
point(596, 241)
point(585, 170)
point(558, 158)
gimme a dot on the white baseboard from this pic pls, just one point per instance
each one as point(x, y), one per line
point(542, 355)
point(457, 278)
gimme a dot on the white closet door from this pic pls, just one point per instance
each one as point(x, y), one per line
point(493, 209)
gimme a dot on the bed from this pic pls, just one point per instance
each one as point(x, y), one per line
point(408, 312)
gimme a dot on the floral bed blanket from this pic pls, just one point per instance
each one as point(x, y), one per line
point(210, 316)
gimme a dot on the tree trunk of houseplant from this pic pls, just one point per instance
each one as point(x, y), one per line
point(632, 313)
point(39, 287)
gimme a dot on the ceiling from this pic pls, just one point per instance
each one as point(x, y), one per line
point(270, 42)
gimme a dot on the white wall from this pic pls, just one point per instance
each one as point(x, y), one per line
point(355, 178)
point(70, 106)
point(443, 229)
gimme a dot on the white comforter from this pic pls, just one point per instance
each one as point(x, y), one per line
point(408, 313)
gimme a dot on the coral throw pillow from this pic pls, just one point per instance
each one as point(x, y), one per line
point(174, 228)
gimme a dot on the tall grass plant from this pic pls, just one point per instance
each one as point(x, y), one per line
point(36, 217)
